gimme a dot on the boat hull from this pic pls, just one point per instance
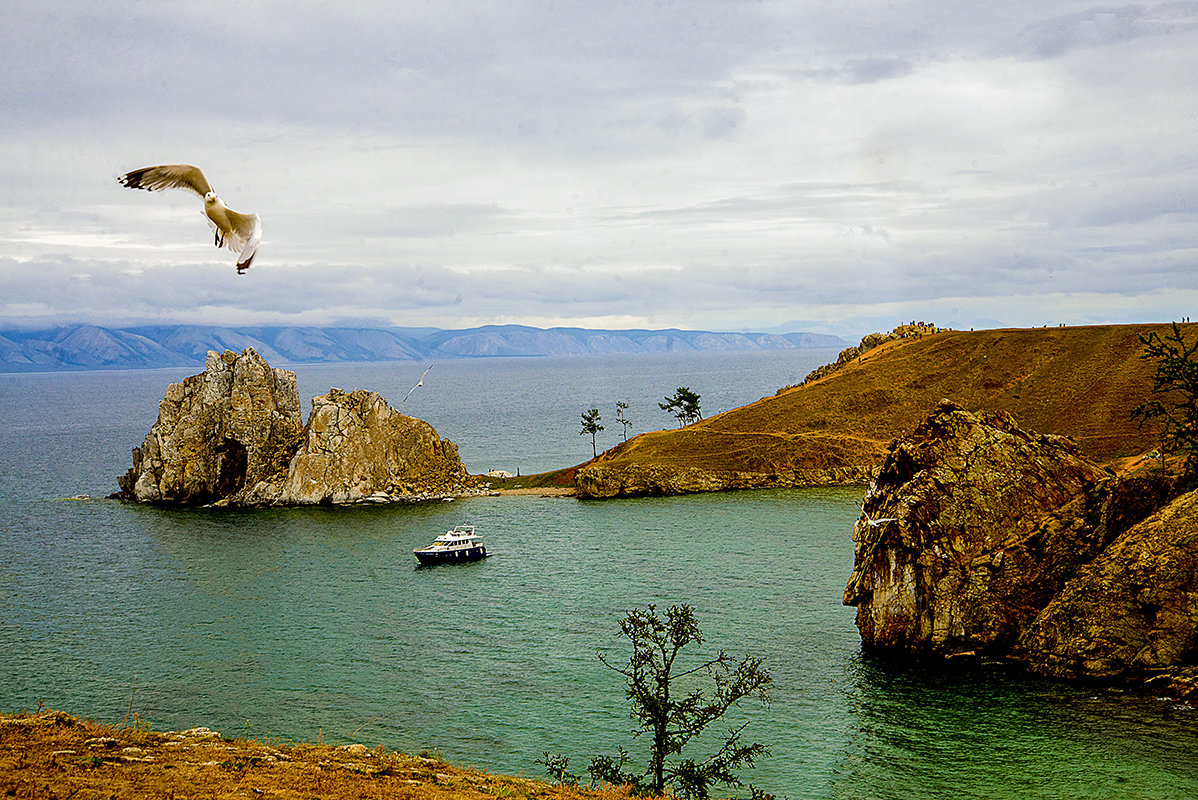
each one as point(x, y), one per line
point(455, 556)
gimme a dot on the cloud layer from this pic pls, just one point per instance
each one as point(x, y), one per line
point(696, 164)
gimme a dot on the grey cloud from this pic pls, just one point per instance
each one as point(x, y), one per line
point(870, 70)
point(524, 159)
point(432, 220)
point(1105, 25)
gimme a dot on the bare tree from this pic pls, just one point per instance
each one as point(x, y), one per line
point(621, 407)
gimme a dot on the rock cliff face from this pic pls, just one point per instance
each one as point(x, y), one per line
point(1134, 609)
point(356, 448)
point(607, 481)
point(233, 435)
point(978, 536)
point(218, 433)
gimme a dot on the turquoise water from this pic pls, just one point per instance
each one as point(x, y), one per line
point(307, 623)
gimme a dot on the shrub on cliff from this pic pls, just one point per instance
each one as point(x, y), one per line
point(1175, 390)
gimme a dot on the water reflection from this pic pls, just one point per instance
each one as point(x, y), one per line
point(926, 728)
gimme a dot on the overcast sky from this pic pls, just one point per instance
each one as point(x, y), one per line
point(830, 166)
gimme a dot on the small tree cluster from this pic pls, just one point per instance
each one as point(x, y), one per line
point(684, 405)
point(1175, 387)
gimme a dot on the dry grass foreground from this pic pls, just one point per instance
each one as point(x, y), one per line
point(1080, 382)
point(52, 755)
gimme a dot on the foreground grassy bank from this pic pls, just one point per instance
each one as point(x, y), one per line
point(55, 755)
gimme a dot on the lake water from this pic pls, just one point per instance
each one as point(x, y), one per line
point(299, 624)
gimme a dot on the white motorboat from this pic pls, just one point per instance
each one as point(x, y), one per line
point(458, 545)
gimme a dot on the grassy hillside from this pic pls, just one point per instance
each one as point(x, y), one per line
point(1080, 382)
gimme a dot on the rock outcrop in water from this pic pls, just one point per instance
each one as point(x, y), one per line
point(233, 435)
point(218, 434)
point(356, 448)
point(1009, 543)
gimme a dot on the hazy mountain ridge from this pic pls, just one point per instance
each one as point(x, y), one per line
point(84, 346)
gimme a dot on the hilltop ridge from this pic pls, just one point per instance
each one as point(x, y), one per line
point(1079, 382)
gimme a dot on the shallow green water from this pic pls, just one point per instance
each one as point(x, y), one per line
point(295, 624)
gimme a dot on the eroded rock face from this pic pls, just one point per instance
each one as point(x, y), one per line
point(980, 537)
point(607, 481)
point(218, 433)
point(233, 435)
point(1134, 609)
point(357, 448)
point(976, 502)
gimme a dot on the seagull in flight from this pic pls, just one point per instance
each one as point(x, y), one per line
point(419, 383)
point(241, 233)
point(873, 523)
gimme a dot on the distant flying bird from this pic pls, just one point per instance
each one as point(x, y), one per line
point(241, 233)
point(419, 383)
point(873, 523)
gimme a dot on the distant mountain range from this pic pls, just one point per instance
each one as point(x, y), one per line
point(83, 347)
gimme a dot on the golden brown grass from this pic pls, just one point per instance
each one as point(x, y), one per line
point(1081, 382)
point(54, 755)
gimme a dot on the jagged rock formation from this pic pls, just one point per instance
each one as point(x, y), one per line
point(218, 434)
point(232, 435)
point(915, 330)
point(1010, 543)
point(356, 448)
point(1134, 609)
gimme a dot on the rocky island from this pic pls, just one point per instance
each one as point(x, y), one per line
point(980, 538)
point(233, 435)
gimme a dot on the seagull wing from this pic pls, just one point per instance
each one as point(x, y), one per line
point(246, 235)
point(241, 233)
point(875, 522)
point(167, 176)
point(419, 383)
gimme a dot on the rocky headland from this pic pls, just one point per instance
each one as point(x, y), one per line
point(233, 435)
point(1080, 382)
point(981, 538)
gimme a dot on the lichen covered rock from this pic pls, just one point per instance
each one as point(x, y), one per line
point(975, 502)
point(601, 481)
point(357, 448)
point(233, 435)
point(979, 537)
point(218, 433)
point(1134, 609)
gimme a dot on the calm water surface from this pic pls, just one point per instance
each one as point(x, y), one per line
point(300, 623)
